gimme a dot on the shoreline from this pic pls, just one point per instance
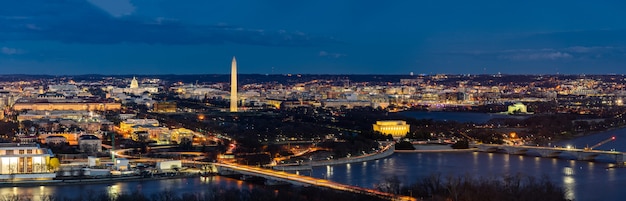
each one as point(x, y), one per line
point(584, 134)
point(435, 150)
point(69, 182)
point(388, 151)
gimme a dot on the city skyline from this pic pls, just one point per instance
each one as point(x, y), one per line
point(321, 37)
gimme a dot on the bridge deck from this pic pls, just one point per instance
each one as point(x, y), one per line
point(553, 149)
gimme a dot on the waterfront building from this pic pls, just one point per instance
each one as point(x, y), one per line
point(395, 128)
point(24, 161)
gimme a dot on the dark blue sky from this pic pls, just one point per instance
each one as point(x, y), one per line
point(322, 36)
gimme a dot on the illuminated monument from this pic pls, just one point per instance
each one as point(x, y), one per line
point(397, 129)
point(517, 108)
point(233, 86)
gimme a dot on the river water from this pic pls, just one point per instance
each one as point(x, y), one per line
point(583, 180)
point(464, 117)
point(148, 188)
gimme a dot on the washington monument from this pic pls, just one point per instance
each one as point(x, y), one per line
point(233, 86)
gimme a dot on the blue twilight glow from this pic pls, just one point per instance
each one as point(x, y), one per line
point(329, 37)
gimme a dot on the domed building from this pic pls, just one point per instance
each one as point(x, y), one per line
point(135, 89)
point(134, 83)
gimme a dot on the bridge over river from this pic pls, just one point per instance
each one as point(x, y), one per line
point(270, 174)
point(302, 180)
point(553, 152)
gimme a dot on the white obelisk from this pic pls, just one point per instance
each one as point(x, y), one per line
point(233, 86)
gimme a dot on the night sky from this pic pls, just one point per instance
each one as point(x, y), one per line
point(312, 37)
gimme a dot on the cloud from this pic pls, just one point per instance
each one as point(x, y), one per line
point(584, 38)
point(11, 51)
point(549, 54)
point(537, 56)
point(75, 21)
point(331, 55)
point(117, 8)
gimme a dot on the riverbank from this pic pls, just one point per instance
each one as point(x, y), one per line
point(386, 152)
point(62, 182)
point(436, 150)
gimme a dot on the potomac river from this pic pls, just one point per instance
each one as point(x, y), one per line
point(583, 180)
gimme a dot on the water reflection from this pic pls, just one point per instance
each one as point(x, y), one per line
point(587, 179)
point(43, 191)
point(148, 188)
point(569, 185)
point(588, 176)
point(329, 171)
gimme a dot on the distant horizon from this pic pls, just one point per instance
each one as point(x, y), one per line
point(308, 74)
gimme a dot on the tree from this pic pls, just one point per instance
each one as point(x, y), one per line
point(185, 144)
point(404, 145)
point(54, 164)
point(461, 145)
point(390, 185)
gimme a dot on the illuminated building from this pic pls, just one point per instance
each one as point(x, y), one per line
point(24, 161)
point(65, 104)
point(233, 86)
point(70, 137)
point(56, 140)
point(52, 120)
point(140, 135)
point(165, 107)
point(275, 103)
point(133, 88)
point(134, 84)
point(349, 104)
point(180, 134)
point(127, 126)
point(397, 129)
